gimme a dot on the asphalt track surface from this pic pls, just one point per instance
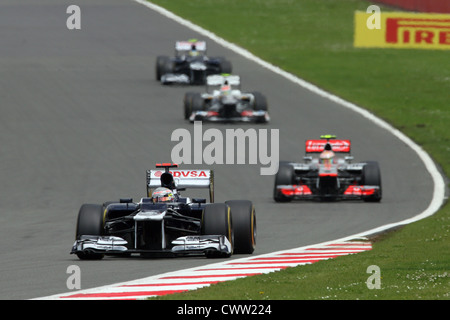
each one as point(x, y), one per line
point(82, 117)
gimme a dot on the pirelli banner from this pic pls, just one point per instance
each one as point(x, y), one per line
point(402, 30)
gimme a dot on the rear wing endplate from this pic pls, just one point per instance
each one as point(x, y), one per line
point(187, 45)
point(219, 79)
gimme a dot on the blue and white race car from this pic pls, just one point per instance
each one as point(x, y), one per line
point(166, 224)
point(190, 65)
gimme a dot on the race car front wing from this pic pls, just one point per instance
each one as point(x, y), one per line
point(187, 245)
point(170, 78)
point(245, 116)
point(303, 192)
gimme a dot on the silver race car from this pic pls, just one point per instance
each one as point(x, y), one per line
point(225, 102)
point(166, 224)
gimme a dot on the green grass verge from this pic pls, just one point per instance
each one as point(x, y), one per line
point(408, 88)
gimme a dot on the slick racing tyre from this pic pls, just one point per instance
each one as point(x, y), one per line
point(284, 176)
point(187, 103)
point(197, 102)
point(371, 176)
point(90, 222)
point(163, 65)
point(260, 102)
point(216, 220)
point(192, 102)
point(225, 66)
point(244, 225)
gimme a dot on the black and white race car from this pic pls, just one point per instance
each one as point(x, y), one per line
point(224, 101)
point(190, 65)
point(328, 176)
point(166, 224)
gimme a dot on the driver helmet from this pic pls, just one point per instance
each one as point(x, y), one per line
point(162, 195)
point(326, 157)
point(193, 52)
point(225, 89)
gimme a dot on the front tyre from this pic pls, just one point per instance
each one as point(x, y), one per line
point(371, 176)
point(90, 222)
point(244, 225)
point(284, 176)
point(187, 103)
point(216, 220)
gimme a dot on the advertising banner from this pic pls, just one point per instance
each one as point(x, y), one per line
point(402, 30)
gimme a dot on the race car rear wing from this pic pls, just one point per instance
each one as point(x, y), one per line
point(219, 79)
point(179, 179)
point(337, 145)
point(215, 81)
point(189, 45)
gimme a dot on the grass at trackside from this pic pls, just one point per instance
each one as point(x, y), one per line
point(408, 88)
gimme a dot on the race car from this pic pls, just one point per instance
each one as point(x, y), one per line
point(225, 102)
point(166, 224)
point(190, 65)
point(327, 176)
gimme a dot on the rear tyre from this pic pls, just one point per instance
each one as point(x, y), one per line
point(225, 66)
point(284, 176)
point(244, 225)
point(216, 220)
point(260, 102)
point(161, 65)
point(371, 176)
point(90, 222)
point(197, 102)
